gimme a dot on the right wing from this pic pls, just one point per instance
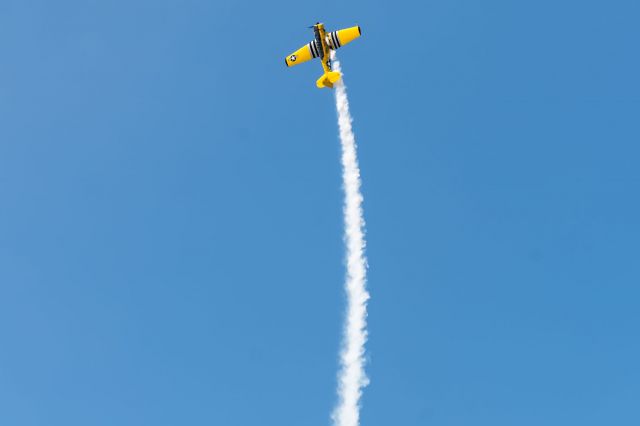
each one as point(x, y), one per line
point(307, 52)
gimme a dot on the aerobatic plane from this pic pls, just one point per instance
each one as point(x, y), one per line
point(320, 48)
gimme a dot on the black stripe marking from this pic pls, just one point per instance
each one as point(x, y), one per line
point(337, 40)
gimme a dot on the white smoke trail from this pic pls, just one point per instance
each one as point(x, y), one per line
point(352, 377)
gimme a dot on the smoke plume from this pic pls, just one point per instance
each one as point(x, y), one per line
point(351, 378)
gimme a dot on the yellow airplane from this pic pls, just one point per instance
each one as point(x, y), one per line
point(320, 48)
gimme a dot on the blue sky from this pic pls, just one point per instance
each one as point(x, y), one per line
point(170, 213)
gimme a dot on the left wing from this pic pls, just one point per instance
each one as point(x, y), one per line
point(336, 39)
point(305, 53)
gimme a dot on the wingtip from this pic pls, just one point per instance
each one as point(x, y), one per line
point(359, 30)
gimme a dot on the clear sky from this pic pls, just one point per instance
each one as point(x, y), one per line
point(171, 228)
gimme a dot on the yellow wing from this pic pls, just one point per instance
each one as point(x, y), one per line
point(308, 51)
point(336, 39)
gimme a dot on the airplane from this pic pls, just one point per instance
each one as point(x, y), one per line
point(320, 48)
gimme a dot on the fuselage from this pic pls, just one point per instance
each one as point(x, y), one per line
point(321, 36)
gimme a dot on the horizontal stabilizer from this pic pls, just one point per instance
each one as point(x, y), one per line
point(328, 79)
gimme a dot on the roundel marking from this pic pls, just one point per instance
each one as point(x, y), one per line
point(292, 58)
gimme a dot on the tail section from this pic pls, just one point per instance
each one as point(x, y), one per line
point(328, 79)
